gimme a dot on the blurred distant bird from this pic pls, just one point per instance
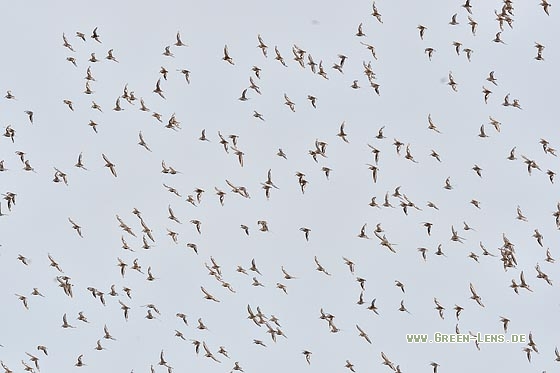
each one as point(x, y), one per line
point(422, 29)
point(110, 165)
point(178, 42)
point(76, 227)
point(227, 57)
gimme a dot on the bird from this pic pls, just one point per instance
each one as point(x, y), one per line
point(498, 39)
point(209, 353)
point(473, 25)
point(491, 78)
point(118, 105)
point(541, 274)
point(27, 166)
point(531, 343)
point(263, 47)
point(98, 346)
point(431, 124)
point(428, 226)
point(158, 89)
point(468, 53)
point(110, 165)
point(387, 362)
point(94, 35)
point(65, 324)
point(374, 171)
point(360, 32)
point(81, 35)
point(256, 282)
point(106, 333)
point(402, 308)
point(76, 227)
point(306, 232)
point(37, 292)
point(287, 276)
point(349, 365)
point(430, 52)
point(433, 364)
point(458, 310)
point(29, 115)
point(549, 257)
point(150, 275)
point(207, 295)
point(259, 342)
point(227, 57)
point(253, 86)
point(467, 6)
point(92, 58)
point(376, 13)
point(167, 52)
point(423, 252)
point(454, 236)
point(439, 308)
point(237, 367)
point(263, 225)
point(69, 103)
point(505, 322)
point(110, 56)
point(457, 47)
point(341, 132)
point(487, 93)
point(142, 143)
point(79, 362)
point(289, 103)
point(279, 57)
point(320, 268)
point(363, 334)
point(545, 5)
point(307, 355)
point(528, 351)
point(243, 96)
point(538, 236)
point(453, 21)
point(178, 42)
point(451, 82)
point(23, 299)
point(422, 29)
point(475, 296)
point(257, 71)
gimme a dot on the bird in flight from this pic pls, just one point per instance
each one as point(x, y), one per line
point(227, 57)
point(76, 227)
point(207, 295)
point(110, 165)
point(178, 42)
point(95, 35)
point(475, 296)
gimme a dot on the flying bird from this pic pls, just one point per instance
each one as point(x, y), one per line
point(94, 35)
point(76, 227)
point(227, 57)
point(110, 165)
point(207, 295)
point(475, 296)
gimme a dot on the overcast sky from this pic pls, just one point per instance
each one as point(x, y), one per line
point(411, 87)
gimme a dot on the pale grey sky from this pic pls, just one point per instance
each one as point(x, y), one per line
point(35, 70)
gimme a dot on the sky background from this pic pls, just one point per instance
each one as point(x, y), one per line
point(35, 70)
